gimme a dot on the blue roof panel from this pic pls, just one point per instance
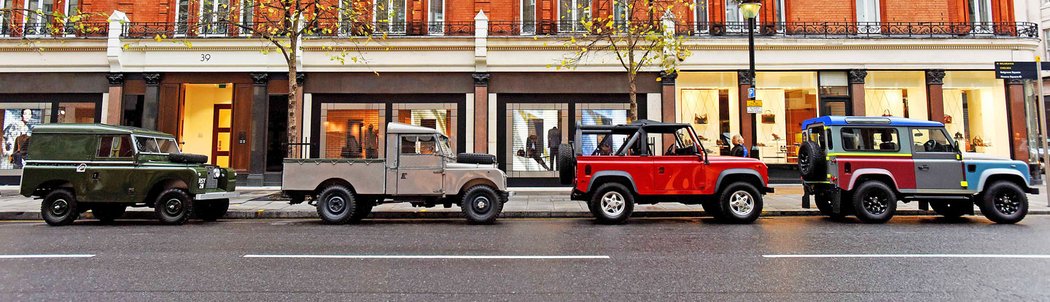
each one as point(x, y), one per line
point(869, 120)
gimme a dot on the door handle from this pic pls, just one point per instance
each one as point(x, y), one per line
point(924, 167)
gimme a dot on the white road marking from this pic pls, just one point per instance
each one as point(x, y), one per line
point(522, 257)
point(46, 256)
point(910, 256)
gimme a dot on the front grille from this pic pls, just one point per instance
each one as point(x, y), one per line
point(211, 182)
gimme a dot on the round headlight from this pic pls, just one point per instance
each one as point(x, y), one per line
point(218, 173)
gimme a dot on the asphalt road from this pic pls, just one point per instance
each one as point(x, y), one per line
point(911, 258)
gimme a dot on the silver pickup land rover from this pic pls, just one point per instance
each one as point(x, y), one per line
point(420, 167)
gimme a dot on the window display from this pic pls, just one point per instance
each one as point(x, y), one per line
point(535, 137)
point(708, 101)
point(81, 113)
point(590, 143)
point(352, 133)
point(975, 111)
point(788, 99)
point(439, 116)
point(895, 93)
point(19, 120)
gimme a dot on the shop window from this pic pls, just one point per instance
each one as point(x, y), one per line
point(708, 101)
point(438, 116)
point(80, 113)
point(870, 139)
point(597, 144)
point(19, 121)
point(895, 93)
point(788, 99)
point(535, 135)
point(352, 133)
point(571, 12)
point(114, 146)
point(931, 140)
point(390, 16)
point(528, 17)
point(975, 111)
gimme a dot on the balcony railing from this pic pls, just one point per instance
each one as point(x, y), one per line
point(873, 30)
point(81, 29)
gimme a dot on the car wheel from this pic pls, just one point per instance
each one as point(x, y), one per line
point(566, 164)
point(952, 209)
point(874, 202)
point(614, 203)
point(173, 207)
point(823, 203)
point(336, 205)
point(362, 210)
point(1004, 202)
point(106, 213)
point(481, 204)
point(59, 207)
point(212, 210)
point(739, 203)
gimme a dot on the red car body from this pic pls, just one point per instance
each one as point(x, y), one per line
point(670, 175)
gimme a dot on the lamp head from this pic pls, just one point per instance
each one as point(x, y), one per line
point(750, 8)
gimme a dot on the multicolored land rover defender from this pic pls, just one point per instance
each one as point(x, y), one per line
point(864, 165)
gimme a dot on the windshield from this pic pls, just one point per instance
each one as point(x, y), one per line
point(446, 147)
point(156, 145)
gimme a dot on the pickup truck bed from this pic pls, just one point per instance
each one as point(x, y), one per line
point(367, 175)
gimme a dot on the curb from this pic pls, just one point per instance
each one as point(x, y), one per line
point(450, 214)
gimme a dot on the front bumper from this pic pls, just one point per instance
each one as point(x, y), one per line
point(216, 195)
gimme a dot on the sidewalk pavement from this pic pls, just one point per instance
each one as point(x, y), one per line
point(265, 202)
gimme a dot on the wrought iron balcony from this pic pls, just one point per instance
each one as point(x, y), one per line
point(37, 30)
point(865, 29)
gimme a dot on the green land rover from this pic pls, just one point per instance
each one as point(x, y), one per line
point(105, 169)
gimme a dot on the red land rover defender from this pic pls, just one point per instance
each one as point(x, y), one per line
point(616, 166)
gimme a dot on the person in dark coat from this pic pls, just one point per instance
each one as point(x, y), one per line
point(534, 152)
point(738, 147)
point(553, 142)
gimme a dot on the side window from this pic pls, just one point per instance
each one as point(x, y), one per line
point(931, 140)
point(816, 135)
point(870, 139)
point(114, 146)
point(418, 144)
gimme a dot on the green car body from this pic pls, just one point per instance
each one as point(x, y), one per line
point(118, 166)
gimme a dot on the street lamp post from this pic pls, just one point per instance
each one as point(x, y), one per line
point(749, 9)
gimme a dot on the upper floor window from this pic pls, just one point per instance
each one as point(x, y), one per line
point(980, 11)
point(182, 16)
point(390, 16)
point(868, 16)
point(571, 12)
point(620, 14)
point(528, 17)
point(247, 15)
point(701, 15)
point(437, 17)
point(37, 23)
point(5, 16)
point(213, 13)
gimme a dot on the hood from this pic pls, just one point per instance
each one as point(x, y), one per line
point(982, 156)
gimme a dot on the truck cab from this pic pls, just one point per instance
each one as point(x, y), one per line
point(865, 165)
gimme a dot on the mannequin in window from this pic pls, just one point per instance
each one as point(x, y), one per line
point(352, 148)
point(532, 151)
point(553, 141)
point(370, 142)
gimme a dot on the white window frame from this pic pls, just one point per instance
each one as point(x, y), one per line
point(176, 29)
point(733, 7)
point(431, 20)
point(575, 15)
point(521, 12)
point(977, 17)
point(875, 14)
point(390, 23)
point(251, 22)
point(698, 6)
point(39, 31)
point(201, 23)
point(6, 27)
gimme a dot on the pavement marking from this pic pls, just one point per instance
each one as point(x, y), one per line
point(46, 256)
point(514, 257)
point(911, 256)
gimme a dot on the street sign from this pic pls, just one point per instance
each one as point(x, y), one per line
point(754, 106)
point(751, 93)
point(1019, 70)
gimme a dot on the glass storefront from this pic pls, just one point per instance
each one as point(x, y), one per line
point(788, 99)
point(709, 102)
point(895, 93)
point(975, 111)
point(19, 119)
point(353, 130)
point(600, 114)
point(439, 116)
point(536, 131)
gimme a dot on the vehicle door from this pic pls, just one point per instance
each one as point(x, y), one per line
point(113, 166)
point(420, 165)
point(938, 163)
point(679, 169)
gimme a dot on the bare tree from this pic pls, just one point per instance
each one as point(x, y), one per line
point(635, 32)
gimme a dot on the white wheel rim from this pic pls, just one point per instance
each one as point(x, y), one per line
point(741, 203)
point(613, 204)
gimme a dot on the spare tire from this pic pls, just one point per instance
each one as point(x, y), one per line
point(566, 164)
point(187, 158)
point(811, 161)
point(476, 158)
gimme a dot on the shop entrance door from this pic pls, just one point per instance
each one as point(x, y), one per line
point(221, 134)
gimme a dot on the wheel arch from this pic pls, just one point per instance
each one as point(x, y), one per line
point(990, 176)
point(621, 177)
point(866, 174)
point(46, 187)
point(477, 181)
point(163, 185)
point(739, 174)
point(334, 182)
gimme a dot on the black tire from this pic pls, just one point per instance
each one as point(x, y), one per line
point(811, 161)
point(712, 209)
point(363, 208)
point(613, 203)
point(566, 164)
point(874, 202)
point(476, 158)
point(59, 208)
point(173, 207)
point(481, 204)
point(106, 213)
point(1003, 202)
point(952, 209)
point(212, 210)
point(187, 158)
point(739, 203)
point(336, 205)
point(825, 207)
